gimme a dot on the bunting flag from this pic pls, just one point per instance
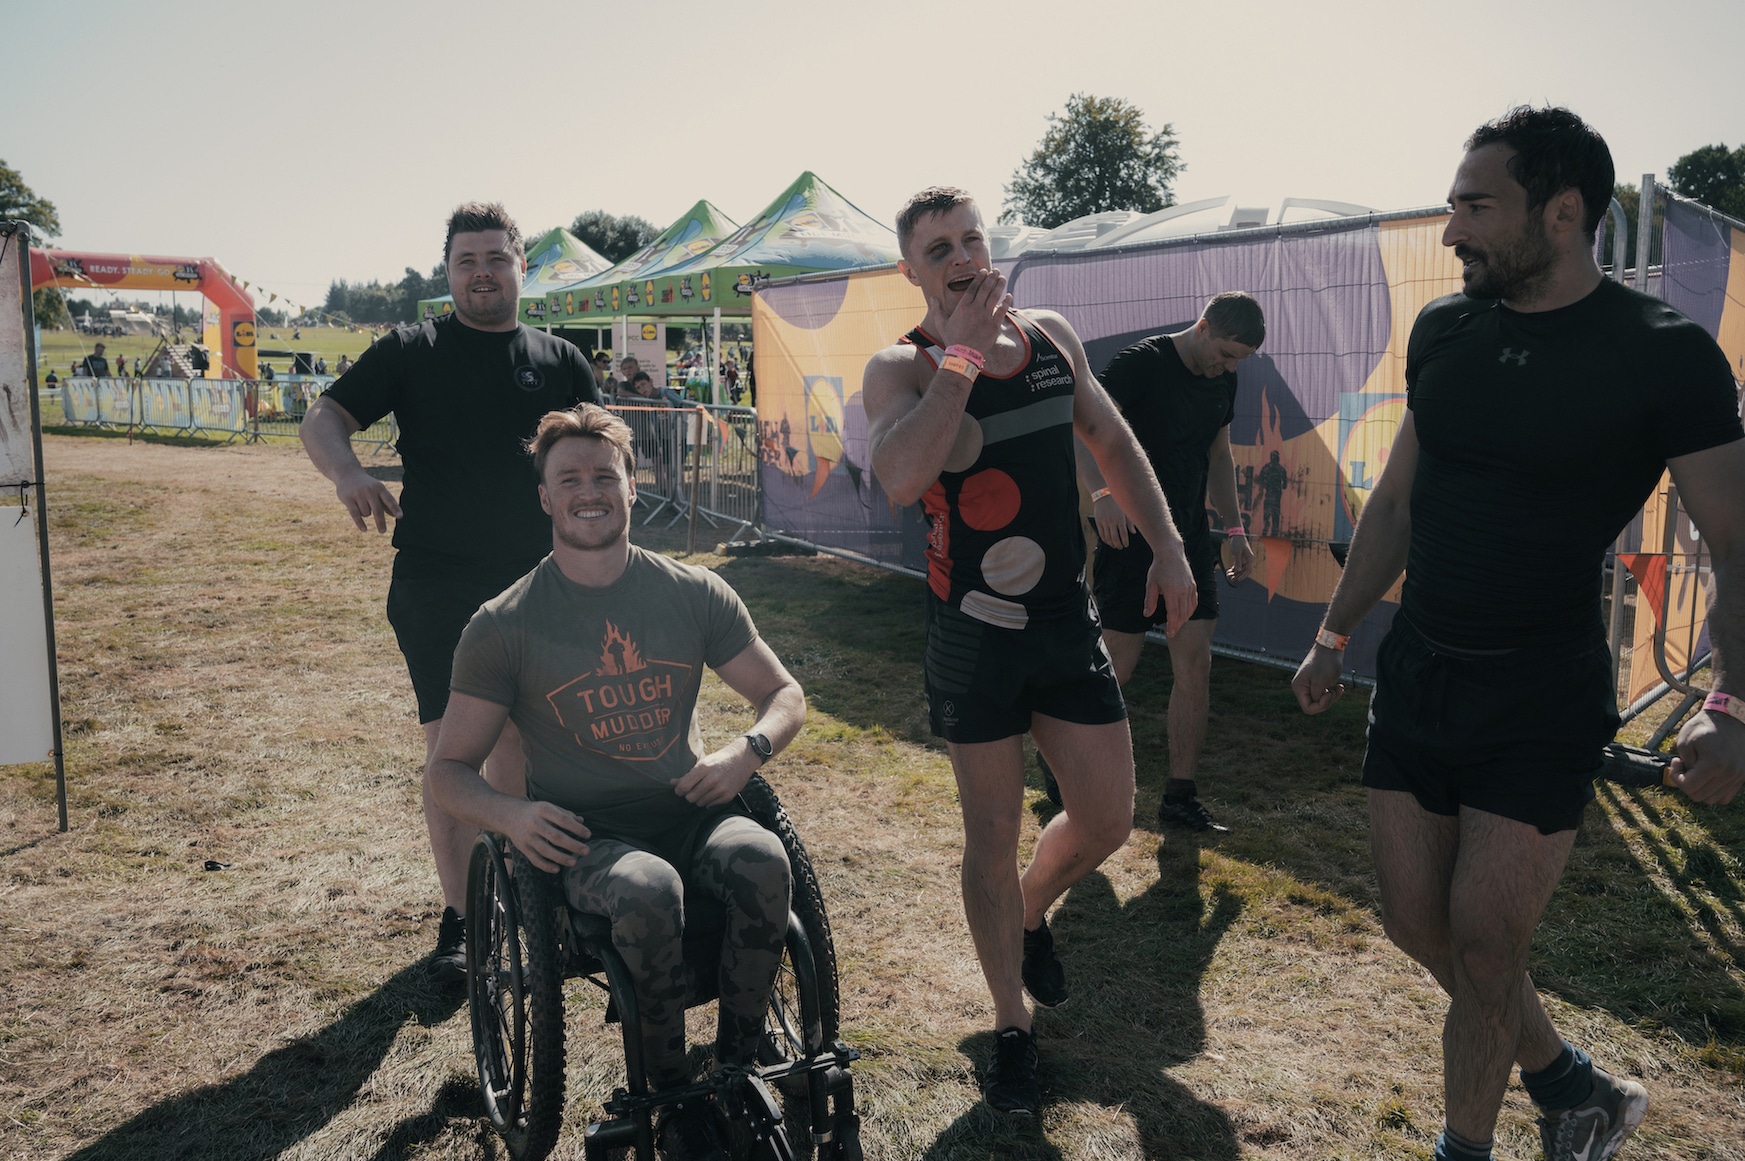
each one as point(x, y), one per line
point(1649, 569)
point(1275, 553)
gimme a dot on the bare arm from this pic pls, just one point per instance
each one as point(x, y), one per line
point(1376, 559)
point(912, 430)
point(326, 433)
point(757, 675)
point(1221, 491)
point(550, 836)
point(1710, 766)
point(1113, 524)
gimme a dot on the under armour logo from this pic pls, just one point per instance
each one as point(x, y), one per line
point(1508, 354)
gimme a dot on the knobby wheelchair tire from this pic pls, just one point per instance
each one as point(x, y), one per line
point(808, 903)
point(515, 996)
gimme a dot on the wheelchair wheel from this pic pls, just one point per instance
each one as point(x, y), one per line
point(515, 998)
point(801, 1032)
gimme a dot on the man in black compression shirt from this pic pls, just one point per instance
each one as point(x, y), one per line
point(467, 389)
point(1178, 394)
point(973, 414)
point(1494, 694)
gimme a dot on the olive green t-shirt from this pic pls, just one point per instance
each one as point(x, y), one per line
point(602, 683)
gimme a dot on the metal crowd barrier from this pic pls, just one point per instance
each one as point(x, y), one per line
point(251, 409)
point(699, 456)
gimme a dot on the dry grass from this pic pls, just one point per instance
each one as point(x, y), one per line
point(233, 693)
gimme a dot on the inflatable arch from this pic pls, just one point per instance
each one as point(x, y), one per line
point(232, 339)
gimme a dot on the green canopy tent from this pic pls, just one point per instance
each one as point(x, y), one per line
point(557, 259)
point(808, 228)
point(694, 233)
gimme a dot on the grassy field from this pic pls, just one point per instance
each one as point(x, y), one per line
point(232, 693)
point(62, 350)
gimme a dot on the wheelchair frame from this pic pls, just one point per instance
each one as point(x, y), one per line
point(523, 942)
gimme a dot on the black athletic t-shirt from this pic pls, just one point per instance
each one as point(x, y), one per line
point(1005, 545)
point(465, 400)
point(1176, 415)
point(1540, 437)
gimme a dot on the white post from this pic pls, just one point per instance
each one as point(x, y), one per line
point(715, 367)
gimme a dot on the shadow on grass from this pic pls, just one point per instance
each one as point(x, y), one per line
point(1644, 929)
point(293, 1091)
point(1135, 973)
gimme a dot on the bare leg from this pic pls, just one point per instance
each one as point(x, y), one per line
point(990, 787)
point(1094, 765)
point(1462, 897)
point(1190, 657)
point(451, 840)
point(1124, 650)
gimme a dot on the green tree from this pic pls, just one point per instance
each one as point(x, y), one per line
point(1099, 154)
point(614, 239)
point(1714, 176)
point(20, 203)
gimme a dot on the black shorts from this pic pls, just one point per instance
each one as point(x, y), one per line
point(430, 600)
point(984, 682)
point(1517, 735)
point(1120, 584)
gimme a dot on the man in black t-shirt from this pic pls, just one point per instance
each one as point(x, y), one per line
point(466, 389)
point(95, 364)
point(1494, 693)
point(1178, 394)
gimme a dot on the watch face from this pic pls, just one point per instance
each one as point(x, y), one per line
point(761, 744)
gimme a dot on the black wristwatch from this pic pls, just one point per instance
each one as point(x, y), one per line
point(761, 747)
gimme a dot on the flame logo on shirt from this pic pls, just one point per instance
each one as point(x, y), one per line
point(618, 654)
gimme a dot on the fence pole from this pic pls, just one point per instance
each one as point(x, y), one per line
point(1620, 233)
point(1644, 226)
point(696, 479)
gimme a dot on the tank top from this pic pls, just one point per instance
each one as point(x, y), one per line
point(1004, 544)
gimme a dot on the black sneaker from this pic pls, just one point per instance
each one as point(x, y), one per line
point(1010, 1085)
point(449, 964)
point(1044, 978)
point(1593, 1130)
point(1188, 813)
point(1049, 786)
point(687, 1132)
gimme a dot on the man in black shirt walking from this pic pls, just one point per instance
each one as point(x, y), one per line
point(1494, 695)
point(1178, 394)
point(466, 389)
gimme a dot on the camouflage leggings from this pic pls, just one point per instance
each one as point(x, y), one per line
point(736, 861)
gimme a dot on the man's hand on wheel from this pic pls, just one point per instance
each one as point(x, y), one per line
point(1710, 766)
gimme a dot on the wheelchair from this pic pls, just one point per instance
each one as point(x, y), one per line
point(524, 942)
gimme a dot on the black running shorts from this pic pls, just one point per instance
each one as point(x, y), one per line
point(984, 682)
point(1518, 735)
point(430, 600)
point(1120, 584)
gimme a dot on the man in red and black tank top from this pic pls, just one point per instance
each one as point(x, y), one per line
point(973, 414)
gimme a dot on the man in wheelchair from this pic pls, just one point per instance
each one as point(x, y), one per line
point(597, 656)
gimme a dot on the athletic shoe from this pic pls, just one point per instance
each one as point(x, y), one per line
point(1049, 786)
point(1593, 1130)
point(1010, 1084)
point(687, 1132)
point(449, 964)
point(1188, 813)
point(1044, 978)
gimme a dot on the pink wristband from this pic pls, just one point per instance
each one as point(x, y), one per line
point(1236, 531)
point(970, 353)
point(1726, 703)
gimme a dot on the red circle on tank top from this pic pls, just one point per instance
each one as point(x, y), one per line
point(988, 500)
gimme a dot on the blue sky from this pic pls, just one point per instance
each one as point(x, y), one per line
point(297, 144)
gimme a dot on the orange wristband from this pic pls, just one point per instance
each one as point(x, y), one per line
point(1099, 494)
point(1328, 639)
